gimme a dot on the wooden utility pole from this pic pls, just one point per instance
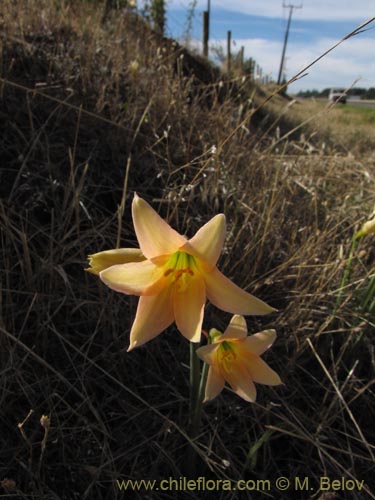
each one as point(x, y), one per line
point(290, 7)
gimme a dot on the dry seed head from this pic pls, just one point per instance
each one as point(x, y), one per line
point(45, 422)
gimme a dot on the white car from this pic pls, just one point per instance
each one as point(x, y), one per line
point(337, 95)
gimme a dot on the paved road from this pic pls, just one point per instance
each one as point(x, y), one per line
point(362, 104)
point(359, 104)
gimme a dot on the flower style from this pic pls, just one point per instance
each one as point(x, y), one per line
point(174, 278)
point(234, 357)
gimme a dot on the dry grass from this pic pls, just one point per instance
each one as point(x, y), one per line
point(73, 153)
point(312, 126)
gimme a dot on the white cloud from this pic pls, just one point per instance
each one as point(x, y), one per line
point(350, 61)
point(323, 10)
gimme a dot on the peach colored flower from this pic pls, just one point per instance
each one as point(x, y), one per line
point(234, 357)
point(176, 277)
point(367, 228)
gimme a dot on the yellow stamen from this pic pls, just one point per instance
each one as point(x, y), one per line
point(226, 356)
point(180, 267)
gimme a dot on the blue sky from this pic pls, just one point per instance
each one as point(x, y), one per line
point(259, 26)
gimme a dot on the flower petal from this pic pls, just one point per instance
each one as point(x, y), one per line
point(102, 260)
point(214, 385)
point(225, 295)
point(367, 228)
point(155, 236)
point(137, 278)
point(262, 373)
point(208, 242)
point(207, 353)
point(240, 381)
point(260, 342)
point(237, 328)
point(189, 308)
point(154, 314)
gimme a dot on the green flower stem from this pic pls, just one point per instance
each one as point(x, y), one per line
point(196, 420)
point(370, 295)
point(197, 389)
point(346, 272)
point(194, 378)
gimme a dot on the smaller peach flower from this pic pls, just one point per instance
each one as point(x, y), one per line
point(234, 357)
point(367, 228)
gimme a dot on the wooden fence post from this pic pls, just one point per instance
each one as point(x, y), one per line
point(242, 57)
point(229, 55)
point(205, 33)
point(252, 67)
